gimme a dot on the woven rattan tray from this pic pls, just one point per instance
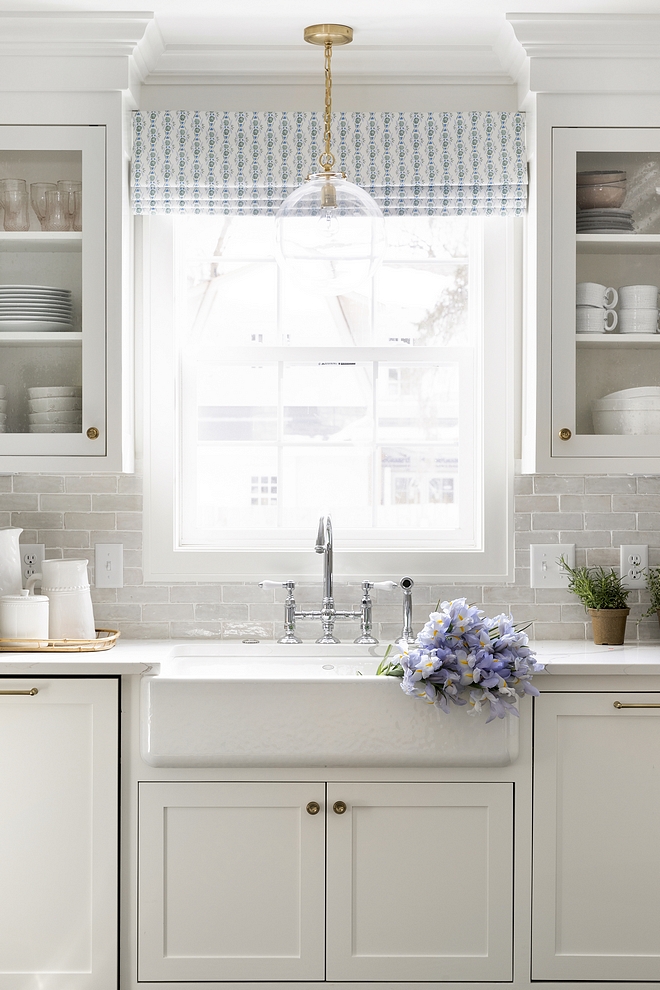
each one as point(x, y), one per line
point(105, 640)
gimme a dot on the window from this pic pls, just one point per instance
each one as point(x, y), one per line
point(375, 406)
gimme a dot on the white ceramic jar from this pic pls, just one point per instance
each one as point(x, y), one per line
point(24, 616)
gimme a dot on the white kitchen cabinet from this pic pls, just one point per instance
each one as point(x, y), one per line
point(587, 366)
point(596, 895)
point(58, 833)
point(232, 882)
point(38, 354)
point(398, 909)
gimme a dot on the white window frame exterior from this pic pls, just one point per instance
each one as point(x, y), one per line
point(491, 561)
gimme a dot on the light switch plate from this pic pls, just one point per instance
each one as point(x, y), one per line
point(634, 562)
point(32, 555)
point(109, 565)
point(545, 570)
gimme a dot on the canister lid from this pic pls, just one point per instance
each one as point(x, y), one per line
point(23, 596)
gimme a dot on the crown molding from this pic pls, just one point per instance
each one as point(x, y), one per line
point(263, 65)
point(587, 35)
point(587, 53)
point(129, 35)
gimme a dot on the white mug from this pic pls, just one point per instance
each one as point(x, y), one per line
point(592, 319)
point(595, 294)
point(638, 297)
point(638, 321)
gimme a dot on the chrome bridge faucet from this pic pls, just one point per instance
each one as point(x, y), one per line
point(328, 613)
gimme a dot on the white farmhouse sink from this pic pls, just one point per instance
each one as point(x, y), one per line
point(235, 705)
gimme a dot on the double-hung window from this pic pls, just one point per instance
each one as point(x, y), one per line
point(268, 405)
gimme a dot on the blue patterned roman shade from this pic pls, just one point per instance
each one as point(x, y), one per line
point(435, 164)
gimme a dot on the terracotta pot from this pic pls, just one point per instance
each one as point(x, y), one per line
point(609, 625)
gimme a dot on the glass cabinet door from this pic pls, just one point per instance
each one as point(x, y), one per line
point(606, 273)
point(52, 291)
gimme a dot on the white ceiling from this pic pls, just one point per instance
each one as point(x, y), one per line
point(377, 23)
point(260, 43)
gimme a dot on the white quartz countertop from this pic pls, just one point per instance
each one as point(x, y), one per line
point(572, 657)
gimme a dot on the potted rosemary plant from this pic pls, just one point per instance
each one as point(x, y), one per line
point(604, 598)
point(652, 577)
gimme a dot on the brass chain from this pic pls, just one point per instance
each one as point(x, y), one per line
point(327, 159)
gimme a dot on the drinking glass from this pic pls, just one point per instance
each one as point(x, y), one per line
point(38, 199)
point(69, 187)
point(13, 193)
point(57, 214)
point(77, 214)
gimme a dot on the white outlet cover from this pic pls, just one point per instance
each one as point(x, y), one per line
point(634, 561)
point(32, 555)
point(545, 570)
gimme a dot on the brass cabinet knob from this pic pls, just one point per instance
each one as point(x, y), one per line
point(93, 433)
point(313, 808)
point(339, 807)
point(565, 434)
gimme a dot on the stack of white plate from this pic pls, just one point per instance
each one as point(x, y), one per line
point(35, 308)
point(55, 409)
point(630, 411)
point(3, 408)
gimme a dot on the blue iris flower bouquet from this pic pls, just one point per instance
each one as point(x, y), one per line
point(466, 658)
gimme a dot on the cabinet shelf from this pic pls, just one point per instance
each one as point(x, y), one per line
point(40, 240)
point(57, 339)
point(618, 243)
point(635, 340)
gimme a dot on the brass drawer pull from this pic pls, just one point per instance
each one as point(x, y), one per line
point(565, 434)
point(339, 807)
point(313, 808)
point(31, 691)
point(625, 704)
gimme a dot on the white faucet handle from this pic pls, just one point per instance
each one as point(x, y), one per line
point(273, 584)
point(385, 585)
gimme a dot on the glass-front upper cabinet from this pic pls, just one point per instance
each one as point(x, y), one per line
point(605, 279)
point(52, 292)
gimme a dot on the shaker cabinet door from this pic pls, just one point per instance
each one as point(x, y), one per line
point(231, 881)
point(420, 882)
point(58, 833)
point(596, 901)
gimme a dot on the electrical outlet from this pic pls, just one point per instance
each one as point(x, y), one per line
point(545, 570)
point(109, 565)
point(634, 562)
point(32, 555)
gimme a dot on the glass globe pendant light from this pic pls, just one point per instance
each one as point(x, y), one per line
point(329, 233)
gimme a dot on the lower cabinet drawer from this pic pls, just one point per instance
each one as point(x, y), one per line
point(344, 882)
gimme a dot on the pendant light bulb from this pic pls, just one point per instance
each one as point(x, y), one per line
point(329, 233)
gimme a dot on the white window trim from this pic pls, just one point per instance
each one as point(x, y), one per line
point(492, 563)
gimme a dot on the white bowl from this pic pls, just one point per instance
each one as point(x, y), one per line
point(53, 405)
point(625, 393)
point(626, 421)
point(68, 416)
point(55, 391)
point(54, 428)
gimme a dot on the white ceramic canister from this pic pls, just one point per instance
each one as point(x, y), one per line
point(24, 616)
point(66, 584)
point(11, 578)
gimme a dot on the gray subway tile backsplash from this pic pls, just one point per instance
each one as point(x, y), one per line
point(71, 513)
